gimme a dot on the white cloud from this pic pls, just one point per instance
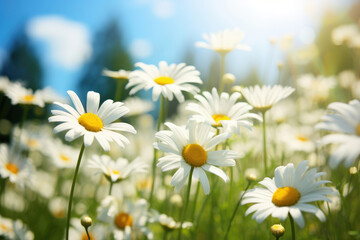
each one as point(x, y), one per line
point(141, 48)
point(163, 9)
point(68, 41)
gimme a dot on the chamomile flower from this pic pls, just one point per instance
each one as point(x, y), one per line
point(120, 74)
point(193, 148)
point(168, 223)
point(290, 192)
point(32, 137)
point(263, 98)
point(62, 155)
point(223, 110)
point(10, 229)
point(49, 95)
point(6, 228)
point(344, 121)
point(224, 42)
point(14, 167)
point(4, 83)
point(20, 95)
point(137, 106)
point(167, 80)
point(97, 122)
point(127, 219)
point(77, 231)
point(21, 231)
point(117, 170)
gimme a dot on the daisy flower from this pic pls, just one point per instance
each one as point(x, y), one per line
point(6, 228)
point(117, 170)
point(15, 168)
point(344, 121)
point(223, 110)
point(77, 231)
point(120, 74)
point(126, 220)
point(137, 106)
point(20, 95)
point(32, 137)
point(224, 42)
point(167, 80)
point(63, 156)
point(10, 229)
point(97, 122)
point(290, 192)
point(21, 231)
point(193, 148)
point(49, 95)
point(4, 83)
point(168, 223)
point(263, 98)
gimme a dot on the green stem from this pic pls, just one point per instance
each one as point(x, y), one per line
point(119, 87)
point(195, 200)
point(231, 185)
point(111, 185)
point(72, 191)
point(24, 115)
point(165, 234)
point(196, 222)
point(222, 72)
point(21, 124)
point(212, 210)
point(292, 226)
point(236, 208)
point(87, 233)
point(161, 113)
point(5, 109)
point(186, 202)
point(264, 143)
point(160, 119)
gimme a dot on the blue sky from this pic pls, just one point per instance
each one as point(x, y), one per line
point(166, 35)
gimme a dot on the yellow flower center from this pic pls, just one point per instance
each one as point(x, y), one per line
point(122, 220)
point(358, 129)
point(64, 158)
point(4, 228)
point(115, 172)
point(85, 237)
point(219, 117)
point(285, 196)
point(302, 138)
point(194, 154)
point(163, 80)
point(12, 168)
point(32, 143)
point(91, 122)
point(28, 98)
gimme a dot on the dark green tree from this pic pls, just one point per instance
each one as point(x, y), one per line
point(108, 52)
point(22, 62)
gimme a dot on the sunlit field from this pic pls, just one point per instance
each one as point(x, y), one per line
point(215, 145)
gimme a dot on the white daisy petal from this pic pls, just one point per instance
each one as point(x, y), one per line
point(290, 191)
point(96, 123)
point(201, 175)
point(77, 103)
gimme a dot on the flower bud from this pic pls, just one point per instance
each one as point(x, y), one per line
point(252, 174)
point(228, 78)
point(277, 230)
point(86, 221)
point(236, 88)
point(353, 170)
